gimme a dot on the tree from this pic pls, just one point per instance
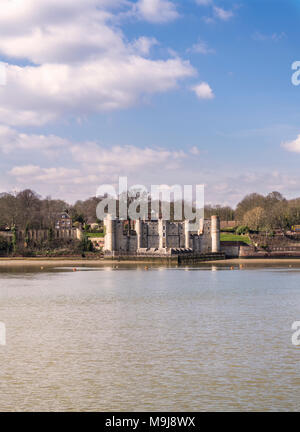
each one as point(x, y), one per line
point(248, 203)
point(14, 239)
point(225, 213)
point(255, 219)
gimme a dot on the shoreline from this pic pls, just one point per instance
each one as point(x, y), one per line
point(258, 261)
point(60, 262)
point(56, 262)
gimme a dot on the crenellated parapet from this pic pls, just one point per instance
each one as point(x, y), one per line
point(163, 236)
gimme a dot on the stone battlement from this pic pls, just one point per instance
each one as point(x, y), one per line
point(161, 237)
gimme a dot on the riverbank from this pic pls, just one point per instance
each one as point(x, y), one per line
point(258, 261)
point(73, 262)
point(62, 262)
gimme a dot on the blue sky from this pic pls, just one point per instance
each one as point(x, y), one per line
point(162, 91)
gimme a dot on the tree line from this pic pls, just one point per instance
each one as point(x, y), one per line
point(27, 209)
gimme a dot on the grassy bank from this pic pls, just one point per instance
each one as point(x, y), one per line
point(235, 238)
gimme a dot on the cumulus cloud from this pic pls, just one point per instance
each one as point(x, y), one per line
point(222, 13)
point(38, 174)
point(203, 2)
point(68, 59)
point(292, 146)
point(76, 53)
point(275, 37)
point(201, 47)
point(56, 31)
point(39, 94)
point(217, 12)
point(80, 163)
point(203, 91)
point(78, 168)
point(12, 140)
point(195, 151)
point(144, 44)
point(124, 159)
point(235, 187)
point(156, 11)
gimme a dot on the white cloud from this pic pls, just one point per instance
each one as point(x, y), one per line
point(203, 2)
point(203, 91)
point(91, 157)
point(79, 168)
point(144, 44)
point(38, 174)
point(276, 37)
point(26, 170)
point(216, 12)
point(76, 52)
point(87, 164)
point(201, 47)
point(234, 187)
point(56, 31)
point(222, 13)
point(156, 11)
point(292, 146)
point(11, 140)
point(39, 94)
point(195, 151)
point(125, 159)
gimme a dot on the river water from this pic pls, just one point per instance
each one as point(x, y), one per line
point(167, 339)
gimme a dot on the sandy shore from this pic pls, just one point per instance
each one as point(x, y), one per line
point(258, 261)
point(66, 262)
point(55, 262)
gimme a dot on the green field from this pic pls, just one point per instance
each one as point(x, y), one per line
point(95, 234)
point(235, 237)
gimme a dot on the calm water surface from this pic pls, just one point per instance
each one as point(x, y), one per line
point(124, 338)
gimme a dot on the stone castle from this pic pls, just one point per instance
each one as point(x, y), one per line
point(161, 237)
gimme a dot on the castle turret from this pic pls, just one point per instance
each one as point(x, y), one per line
point(110, 234)
point(187, 234)
point(215, 234)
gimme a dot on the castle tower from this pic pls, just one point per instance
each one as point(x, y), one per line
point(215, 234)
point(110, 234)
point(139, 233)
point(187, 234)
point(163, 233)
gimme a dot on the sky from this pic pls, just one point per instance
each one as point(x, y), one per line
point(161, 91)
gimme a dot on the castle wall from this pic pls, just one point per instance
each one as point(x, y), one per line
point(42, 235)
point(150, 235)
point(162, 235)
